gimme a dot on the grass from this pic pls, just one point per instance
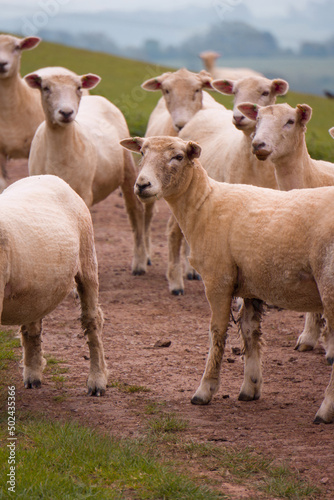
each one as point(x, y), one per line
point(121, 80)
point(128, 388)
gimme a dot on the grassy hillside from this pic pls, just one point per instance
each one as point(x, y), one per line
point(121, 80)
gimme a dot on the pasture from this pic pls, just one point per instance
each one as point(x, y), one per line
point(144, 439)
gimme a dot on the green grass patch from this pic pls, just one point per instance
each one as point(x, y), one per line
point(128, 388)
point(167, 423)
point(66, 461)
point(9, 346)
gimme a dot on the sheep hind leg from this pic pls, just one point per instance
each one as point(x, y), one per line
point(250, 326)
point(33, 361)
point(174, 268)
point(3, 173)
point(92, 324)
point(135, 210)
point(308, 339)
point(189, 271)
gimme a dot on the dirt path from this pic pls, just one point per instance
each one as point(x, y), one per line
point(138, 312)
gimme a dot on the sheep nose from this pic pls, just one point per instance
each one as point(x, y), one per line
point(3, 67)
point(66, 114)
point(140, 187)
point(179, 126)
point(257, 146)
point(238, 119)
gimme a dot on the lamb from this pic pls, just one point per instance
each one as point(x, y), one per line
point(81, 145)
point(47, 243)
point(256, 243)
point(225, 138)
point(20, 106)
point(209, 58)
point(280, 136)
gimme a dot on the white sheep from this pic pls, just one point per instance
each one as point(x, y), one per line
point(225, 138)
point(183, 95)
point(209, 58)
point(20, 106)
point(256, 243)
point(280, 136)
point(47, 244)
point(80, 144)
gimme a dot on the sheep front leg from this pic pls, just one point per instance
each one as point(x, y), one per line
point(3, 172)
point(325, 414)
point(250, 326)
point(33, 361)
point(92, 323)
point(174, 269)
point(309, 337)
point(209, 385)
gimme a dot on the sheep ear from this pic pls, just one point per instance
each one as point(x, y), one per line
point(331, 131)
point(154, 84)
point(33, 80)
point(304, 113)
point(206, 79)
point(280, 87)
point(133, 144)
point(224, 86)
point(249, 110)
point(193, 150)
point(90, 80)
point(30, 42)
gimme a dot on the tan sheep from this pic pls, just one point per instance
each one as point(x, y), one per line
point(280, 136)
point(259, 244)
point(209, 58)
point(20, 106)
point(80, 144)
point(47, 243)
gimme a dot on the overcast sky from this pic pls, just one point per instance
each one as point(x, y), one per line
point(260, 8)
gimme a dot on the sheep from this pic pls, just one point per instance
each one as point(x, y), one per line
point(47, 243)
point(280, 136)
point(20, 106)
point(183, 95)
point(81, 145)
point(209, 60)
point(257, 243)
point(225, 138)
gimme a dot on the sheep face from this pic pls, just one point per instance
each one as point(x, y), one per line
point(61, 91)
point(182, 92)
point(279, 128)
point(10, 53)
point(166, 166)
point(257, 90)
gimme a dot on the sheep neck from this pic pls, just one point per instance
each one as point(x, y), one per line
point(294, 170)
point(65, 144)
point(13, 91)
point(190, 200)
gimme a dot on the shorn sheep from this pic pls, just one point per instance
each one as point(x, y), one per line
point(256, 243)
point(80, 144)
point(20, 106)
point(47, 244)
point(280, 136)
point(209, 58)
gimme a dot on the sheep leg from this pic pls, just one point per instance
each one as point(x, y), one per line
point(135, 210)
point(209, 385)
point(308, 339)
point(174, 269)
point(250, 326)
point(3, 172)
point(148, 215)
point(92, 323)
point(33, 361)
point(189, 271)
point(325, 414)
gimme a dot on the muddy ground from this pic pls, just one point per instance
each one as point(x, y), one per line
point(138, 312)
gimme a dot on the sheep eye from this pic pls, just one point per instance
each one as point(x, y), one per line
point(178, 157)
point(141, 153)
point(46, 89)
point(265, 93)
point(166, 91)
point(79, 88)
point(290, 122)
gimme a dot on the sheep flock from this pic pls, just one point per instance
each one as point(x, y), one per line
point(250, 209)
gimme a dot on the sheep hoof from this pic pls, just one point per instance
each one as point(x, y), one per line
point(138, 272)
point(96, 392)
point(193, 276)
point(149, 262)
point(330, 360)
point(245, 397)
point(319, 420)
point(35, 384)
point(304, 347)
point(198, 401)
point(180, 291)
